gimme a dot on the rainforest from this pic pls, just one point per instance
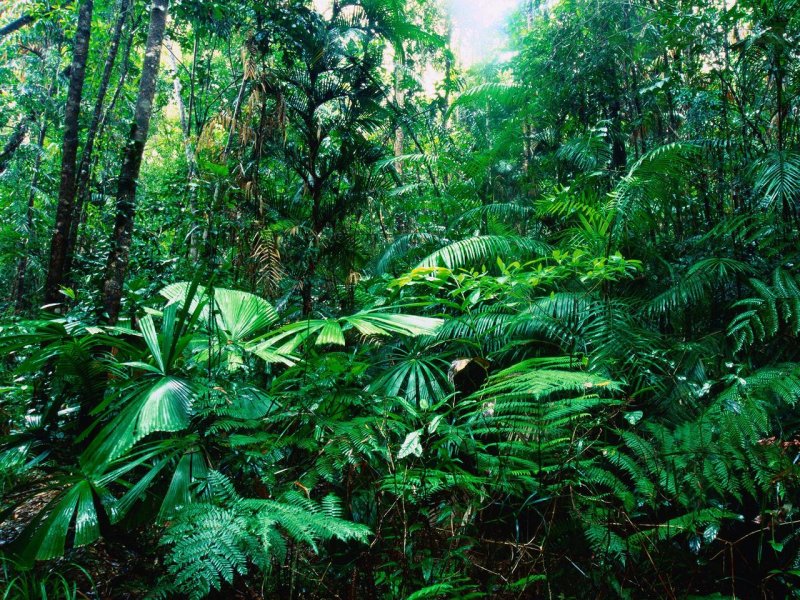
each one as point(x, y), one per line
point(399, 299)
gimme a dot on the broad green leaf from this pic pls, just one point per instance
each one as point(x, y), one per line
point(411, 445)
point(191, 469)
point(483, 249)
point(157, 404)
point(46, 536)
point(241, 315)
point(331, 333)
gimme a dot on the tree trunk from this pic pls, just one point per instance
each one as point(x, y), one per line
point(237, 107)
point(399, 98)
point(317, 226)
point(69, 153)
point(619, 156)
point(15, 25)
point(26, 20)
point(13, 143)
point(81, 242)
point(177, 89)
point(125, 66)
point(188, 147)
point(21, 299)
point(119, 256)
point(209, 240)
point(84, 166)
point(195, 53)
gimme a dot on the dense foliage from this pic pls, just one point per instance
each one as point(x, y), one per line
point(281, 319)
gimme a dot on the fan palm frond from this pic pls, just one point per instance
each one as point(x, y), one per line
point(481, 249)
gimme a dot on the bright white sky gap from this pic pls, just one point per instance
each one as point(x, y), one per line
point(479, 27)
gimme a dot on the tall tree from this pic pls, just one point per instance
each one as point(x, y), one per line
point(84, 166)
point(119, 256)
point(69, 154)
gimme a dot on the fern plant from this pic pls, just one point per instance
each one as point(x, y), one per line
point(775, 308)
point(209, 544)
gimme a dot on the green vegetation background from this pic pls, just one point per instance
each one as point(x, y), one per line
point(283, 319)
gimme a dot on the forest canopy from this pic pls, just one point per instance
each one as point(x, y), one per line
point(299, 301)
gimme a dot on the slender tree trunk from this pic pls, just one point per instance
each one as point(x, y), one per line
point(236, 109)
point(779, 100)
point(14, 142)
point(69, 153)
point(672, 133)
point(724, 189)
point(84, 166)
point(188, 148)
point(119, 256)
point(80, 241)
point(317, 226)
point(448, 82)
point(177, 89)
point(258, 152)
point(637, 105)
point(190, 112)
point(209, 240)
point(788, 209)
point(619, 156)
point(21, 299)
point(307, 289)
point(399, 98)
point(125, 66)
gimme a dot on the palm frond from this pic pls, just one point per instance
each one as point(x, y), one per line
point(778, 179)
point(482, 249)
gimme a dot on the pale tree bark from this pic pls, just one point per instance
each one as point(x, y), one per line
point(188, 147)
point(236, 109)
point(399, 98)
point(84, 166)
point(69, 154)
point(119, 256)
point(177, 89)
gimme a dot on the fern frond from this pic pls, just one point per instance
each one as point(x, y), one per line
point(773, 307)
